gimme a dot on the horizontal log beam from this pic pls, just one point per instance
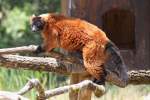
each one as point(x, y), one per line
point(48, 64)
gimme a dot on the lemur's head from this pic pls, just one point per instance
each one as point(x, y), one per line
point(38, 22)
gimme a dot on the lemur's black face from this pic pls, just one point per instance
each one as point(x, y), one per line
point(37, 24)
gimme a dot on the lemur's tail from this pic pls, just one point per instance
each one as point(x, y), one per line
point(115, 67)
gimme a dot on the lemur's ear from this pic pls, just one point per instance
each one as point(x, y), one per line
point(31, 17)
point(45, 17)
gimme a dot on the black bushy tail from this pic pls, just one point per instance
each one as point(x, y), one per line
point(115, 66)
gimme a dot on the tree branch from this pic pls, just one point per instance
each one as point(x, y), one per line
point(58, 65)
point(61, 64)
point(99, 90)
point(29, 48)
point(139, 77)
point(33, 83)
point(11, 96)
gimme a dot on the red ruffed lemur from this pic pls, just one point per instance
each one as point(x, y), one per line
point(76, 35)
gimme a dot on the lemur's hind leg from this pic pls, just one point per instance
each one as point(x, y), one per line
point(83, 94)
point(94, 58)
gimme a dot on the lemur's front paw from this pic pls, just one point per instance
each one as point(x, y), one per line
point(39, 50)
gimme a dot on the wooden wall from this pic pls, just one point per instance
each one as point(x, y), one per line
point(126, 22)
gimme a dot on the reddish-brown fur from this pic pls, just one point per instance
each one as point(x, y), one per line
point(76, 35)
